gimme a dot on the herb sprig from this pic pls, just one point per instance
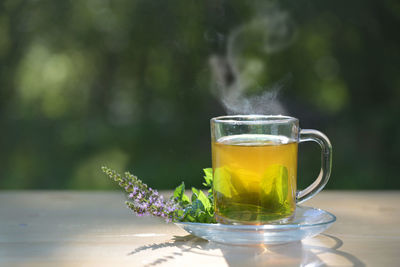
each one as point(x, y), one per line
point(144, 200)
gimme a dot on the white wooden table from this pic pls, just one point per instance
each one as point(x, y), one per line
point(69, 228)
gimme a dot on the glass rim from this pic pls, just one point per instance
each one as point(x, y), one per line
point(254, 119)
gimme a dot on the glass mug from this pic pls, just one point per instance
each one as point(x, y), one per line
point(254, 159)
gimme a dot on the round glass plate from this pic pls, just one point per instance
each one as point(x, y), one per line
point(307, 222)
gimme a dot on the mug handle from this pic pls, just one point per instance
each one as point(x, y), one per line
point(326, 163)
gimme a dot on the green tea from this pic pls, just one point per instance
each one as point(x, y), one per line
point(254, 178)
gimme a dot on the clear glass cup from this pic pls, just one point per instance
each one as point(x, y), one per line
point(254, 160)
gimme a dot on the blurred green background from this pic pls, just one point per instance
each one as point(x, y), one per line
point(129, 84)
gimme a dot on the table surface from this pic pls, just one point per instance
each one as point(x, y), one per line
point(64, 228)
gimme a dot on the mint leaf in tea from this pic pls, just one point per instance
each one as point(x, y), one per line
point(254, 178)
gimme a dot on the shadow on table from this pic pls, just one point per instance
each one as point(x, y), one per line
point(291, 254)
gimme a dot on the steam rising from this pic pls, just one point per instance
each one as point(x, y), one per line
point(241, 71)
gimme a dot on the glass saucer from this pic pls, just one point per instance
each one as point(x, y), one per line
point(307, 222)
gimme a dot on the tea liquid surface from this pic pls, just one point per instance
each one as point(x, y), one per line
point(254, 178)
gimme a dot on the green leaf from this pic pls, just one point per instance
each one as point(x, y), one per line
point(197, 206)
point(208, 177)
point(195, 193)
point(179, 190)
point(188, 218)
point(204, 200)
point(223, 182)
point(198, 195)
point(180, 213)
point(179, 194)
point(201, 209)
point(275, 186)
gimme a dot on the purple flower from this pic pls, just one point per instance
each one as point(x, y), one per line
point(144, 200)
point(158, 204)
point(170, 209)
point(151, 200)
